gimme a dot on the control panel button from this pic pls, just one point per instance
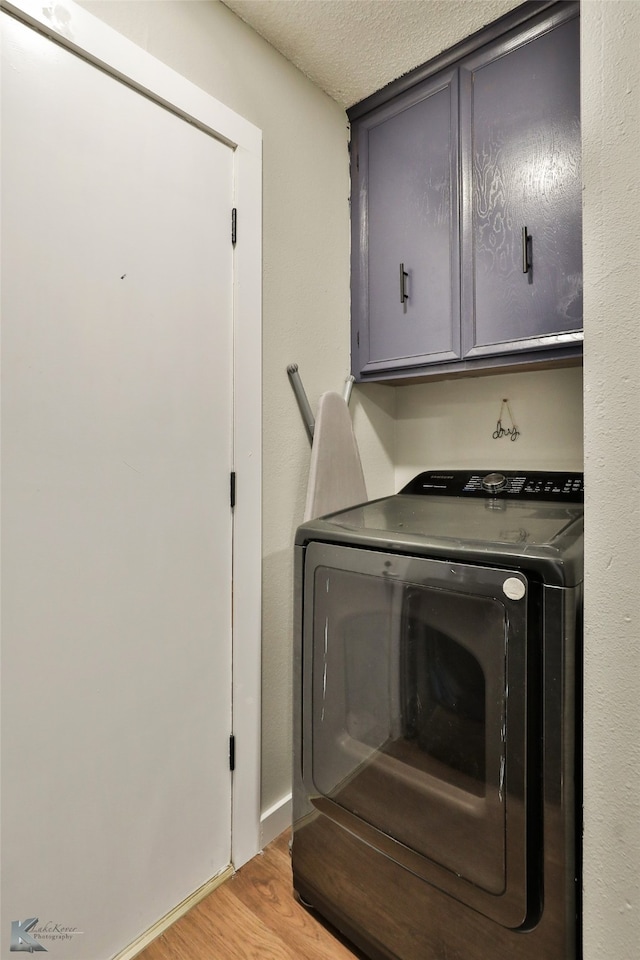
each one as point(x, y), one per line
point(494, 482)
point(513, 588)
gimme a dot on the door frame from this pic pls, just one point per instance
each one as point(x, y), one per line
point(80, 32)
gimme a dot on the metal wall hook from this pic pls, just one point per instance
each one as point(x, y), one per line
point(305, 408)
point(303, 403)
point(348, 386)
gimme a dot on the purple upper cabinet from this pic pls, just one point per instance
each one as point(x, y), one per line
point(521, 212)
point(466, 206)
point(406, 293)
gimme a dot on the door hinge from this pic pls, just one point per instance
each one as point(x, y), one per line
point(232, 489)
point(232, 752)
point(358, 338)
point(234, 225)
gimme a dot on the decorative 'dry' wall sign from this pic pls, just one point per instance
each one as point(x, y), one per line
point(501, 431)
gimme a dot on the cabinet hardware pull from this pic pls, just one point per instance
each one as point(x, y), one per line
point(526, 263)
point(404, 296)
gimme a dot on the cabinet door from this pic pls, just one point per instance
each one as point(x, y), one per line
point(520, 136)
point(405, 220)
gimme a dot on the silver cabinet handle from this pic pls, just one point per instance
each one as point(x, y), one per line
point(404, 296)
point(526, 263)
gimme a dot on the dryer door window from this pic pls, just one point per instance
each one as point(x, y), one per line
point(415, 691)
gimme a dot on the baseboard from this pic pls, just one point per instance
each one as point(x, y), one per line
point(170, 918)
point(274, 820)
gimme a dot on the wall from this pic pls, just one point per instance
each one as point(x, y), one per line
point(450, 423)
point(611, 147)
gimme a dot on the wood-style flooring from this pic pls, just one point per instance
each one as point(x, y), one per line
point(253, 916)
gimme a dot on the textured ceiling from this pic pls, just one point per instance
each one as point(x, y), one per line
point(351, 48)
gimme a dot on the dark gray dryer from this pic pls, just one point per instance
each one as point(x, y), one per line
point(436, 780)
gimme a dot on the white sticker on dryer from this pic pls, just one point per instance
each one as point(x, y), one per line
point(514, 589)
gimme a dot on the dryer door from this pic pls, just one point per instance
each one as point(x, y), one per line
point(414, 716)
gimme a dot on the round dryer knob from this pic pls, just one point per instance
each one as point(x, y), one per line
point(494, 482)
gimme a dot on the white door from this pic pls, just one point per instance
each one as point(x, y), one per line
point(116, 521)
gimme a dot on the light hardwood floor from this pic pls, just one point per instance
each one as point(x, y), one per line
point(253, 916)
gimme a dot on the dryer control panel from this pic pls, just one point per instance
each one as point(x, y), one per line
point(525, 485)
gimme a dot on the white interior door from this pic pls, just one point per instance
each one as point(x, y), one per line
point(116, 522)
